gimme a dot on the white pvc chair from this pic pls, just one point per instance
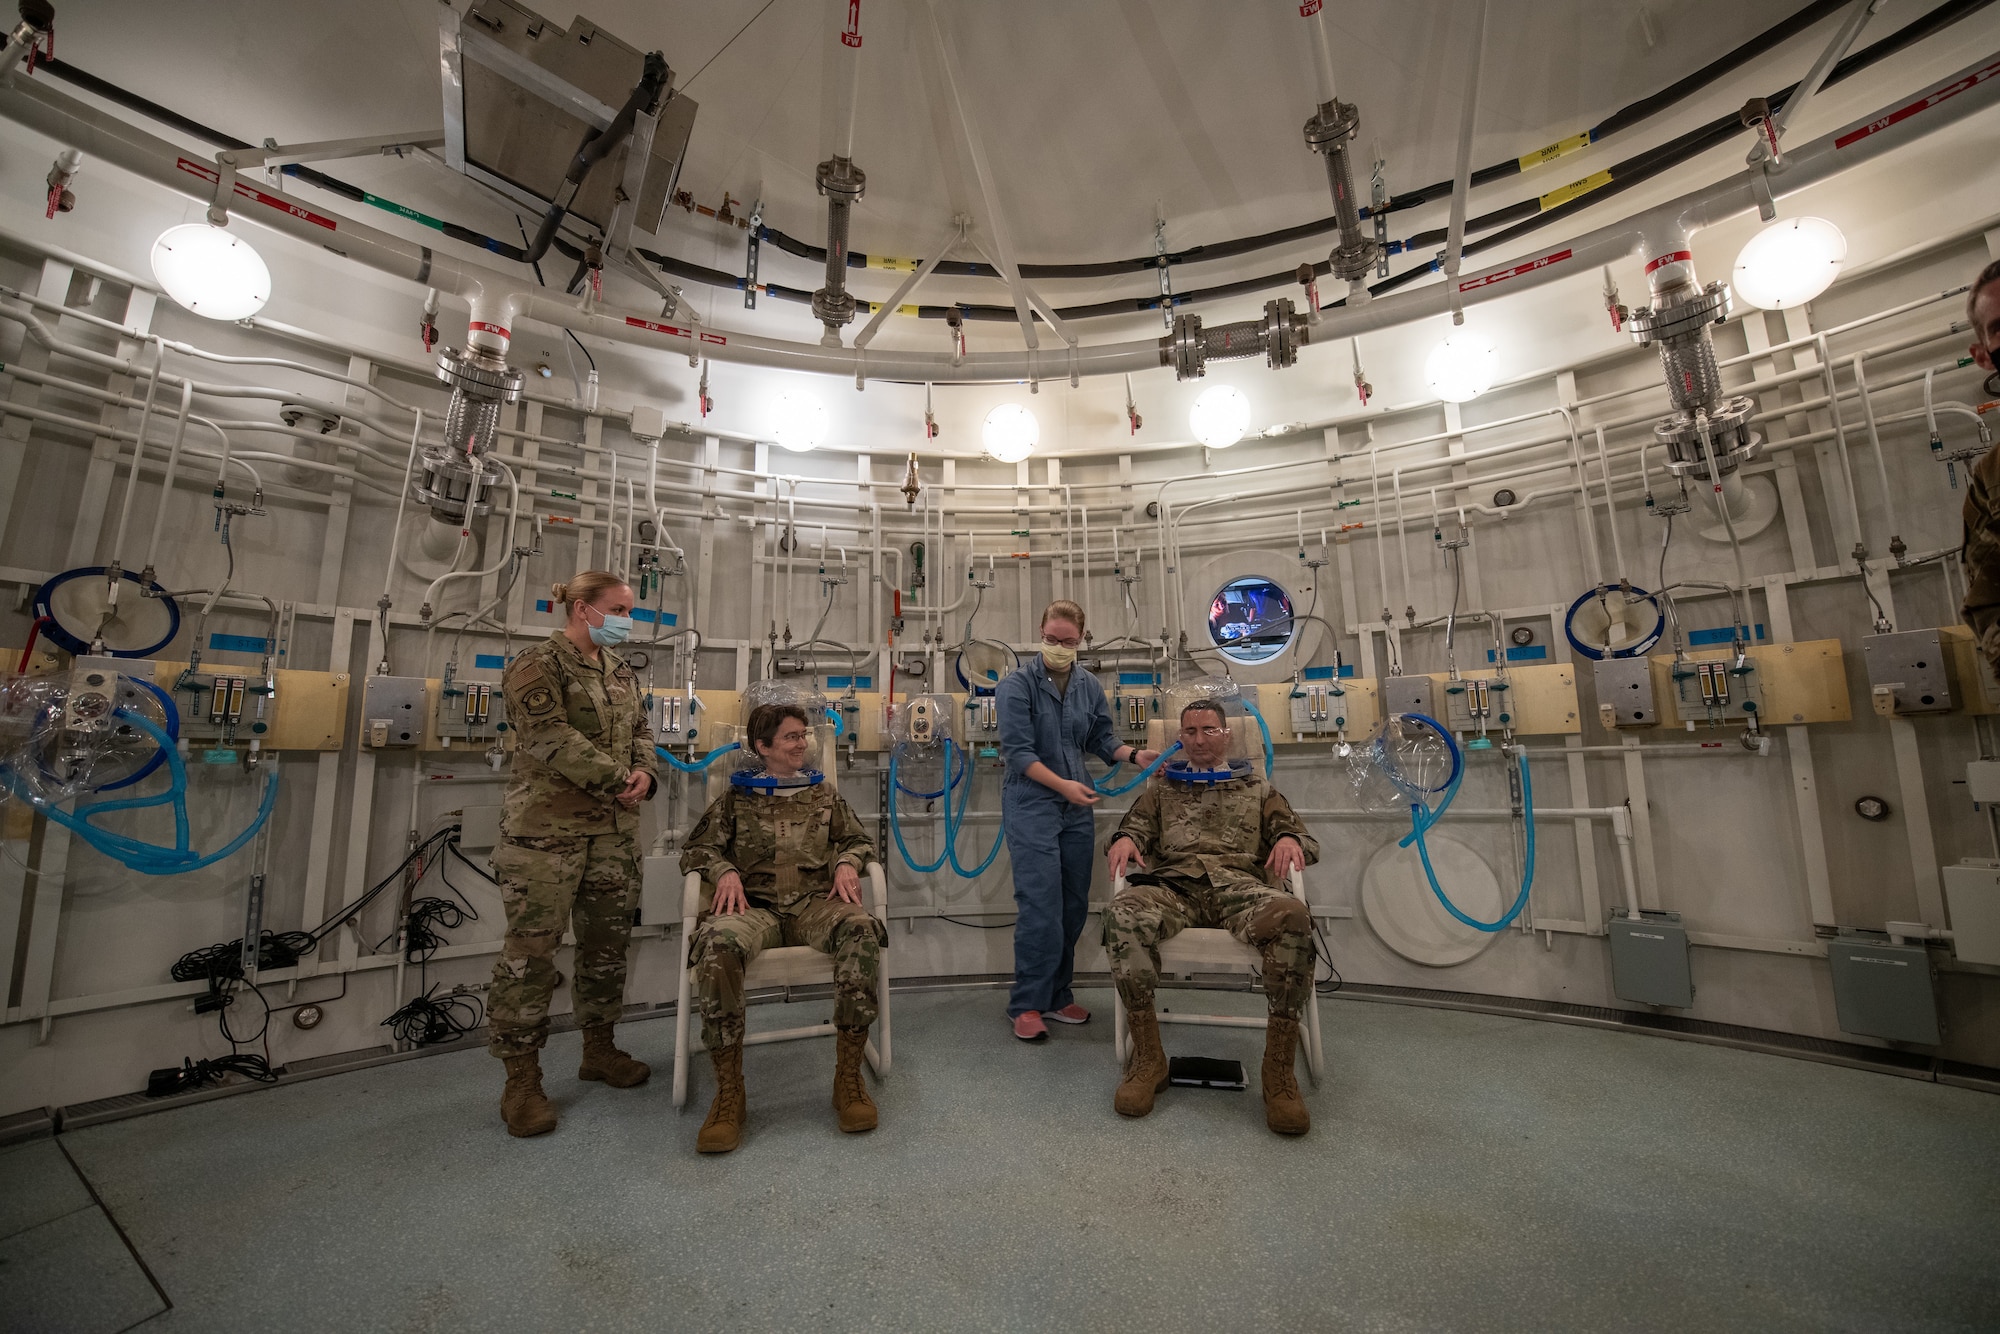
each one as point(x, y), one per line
point(1203, 949)
point(780, 966)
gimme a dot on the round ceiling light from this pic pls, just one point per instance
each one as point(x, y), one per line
point(1461, 367)
point(1220, 416)
point(801, 425)
point(211, 271)
point(1789, 263)
point(1011, 433)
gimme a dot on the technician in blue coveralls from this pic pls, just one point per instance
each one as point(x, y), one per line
point(1051, 712)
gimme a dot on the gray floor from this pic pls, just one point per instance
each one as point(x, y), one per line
point(1464, 1172)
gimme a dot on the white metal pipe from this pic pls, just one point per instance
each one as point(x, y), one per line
point(132, 481)
point(402, 502)
point(1462, 177)
point(1875, 443)
point(167, 479)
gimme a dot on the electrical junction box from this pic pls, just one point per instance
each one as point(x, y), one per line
point(470, 711)
point(1410, 694)
point(1909, 672)
point(1649, 959)
point(660, 882)
point(1883, 990)
point(1972, 897)
point(479, 827)
point(1625, 689)
point(392, 712)
point(1982, 781)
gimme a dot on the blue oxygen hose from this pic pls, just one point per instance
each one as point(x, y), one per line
point(1421, 820)
point(135, 854)
point(1270, 762)
point(949, 784)
point(1137, 778)
point(952, 825)
point(700, 765)
point(896, 825)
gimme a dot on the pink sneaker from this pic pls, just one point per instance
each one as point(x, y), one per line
point(1029, 1027)
point(1068, 1014)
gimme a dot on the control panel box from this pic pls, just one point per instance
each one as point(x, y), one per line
point(469, 712)
point(392, 712)
point(1476, 703)
point(1133, 708)
point(95, 691)
point(1883, 990)
point(1714, 690)
point(225, 706)
point(1410, 694)
point(982, 712)
point(1649, 959)
point(1319, 708)
point(1909, 671)
point(1625, 692)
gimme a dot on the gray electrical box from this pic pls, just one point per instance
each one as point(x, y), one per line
point(1972, 897)
point(1914, 667)
point(1626, 685)
point(1649, 959)
point(1410, 694)
point(392, 712)
point(520, 92)
point(1883, 990)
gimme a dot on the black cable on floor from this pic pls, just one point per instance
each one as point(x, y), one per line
point(430, 1019)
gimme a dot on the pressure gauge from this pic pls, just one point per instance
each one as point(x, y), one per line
point(1523, 635)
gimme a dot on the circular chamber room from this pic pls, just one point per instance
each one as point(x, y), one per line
point(806, 664)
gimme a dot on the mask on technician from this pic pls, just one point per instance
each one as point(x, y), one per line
point(1058, 657)
point(610, 631)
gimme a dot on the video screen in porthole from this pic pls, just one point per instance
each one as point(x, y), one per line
point(1250, 620)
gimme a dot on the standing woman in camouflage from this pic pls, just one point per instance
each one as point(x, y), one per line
point(783, 859)
point(569, 854)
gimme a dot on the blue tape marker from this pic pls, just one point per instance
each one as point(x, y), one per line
point(1722, 634)
point(1138, 678)
point(1346, 669)
point(1523, 653)
point(648, 615)
point(842, 682)
point(218, 757)
point(543, 604)
point(491, 661)
point(240, 643)
point(1319, 673)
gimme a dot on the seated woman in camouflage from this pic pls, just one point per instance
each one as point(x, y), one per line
point(1206, 848)
point(783, 865)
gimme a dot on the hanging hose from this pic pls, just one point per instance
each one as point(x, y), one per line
point(1270, 761)
point(698, 766)
point(896, 825)
point(950, 782)
point(1422, 819)
point(136, 854)
point(1137, 779)
point(952, 824)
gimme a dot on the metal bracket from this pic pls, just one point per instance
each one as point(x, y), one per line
point(1166, 274)
point(1760, 186)
point(750, 259)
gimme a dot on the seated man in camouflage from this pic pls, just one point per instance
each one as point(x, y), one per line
point(783, 864)
point(1206, 847)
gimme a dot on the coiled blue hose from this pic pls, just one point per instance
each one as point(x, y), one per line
point(699, 765)
point(950, 781)
point(896, 825)
point(951, 828)
point(1422, 819)
point(136, 854)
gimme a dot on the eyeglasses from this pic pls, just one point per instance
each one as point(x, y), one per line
point(1053, 642)
point(1210, 731)
point(796, 735)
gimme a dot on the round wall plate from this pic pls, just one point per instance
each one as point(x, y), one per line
point(1406, 916)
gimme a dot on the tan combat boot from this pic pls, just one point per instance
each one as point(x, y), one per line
point(523, 1105)
point(602, 1060)
point(1284, 1109)
point(850, 1093)
point(723, 1130)
point(1146, 1071)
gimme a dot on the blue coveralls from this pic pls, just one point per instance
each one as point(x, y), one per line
point(1052, 843)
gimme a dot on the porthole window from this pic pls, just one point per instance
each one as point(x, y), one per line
point(1250, 620)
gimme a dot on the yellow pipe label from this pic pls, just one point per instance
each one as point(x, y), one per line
point(1575, 188)
point(1562, 148)
point(894, 265)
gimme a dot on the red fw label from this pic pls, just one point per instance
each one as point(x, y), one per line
point(251, 192)
point(1925, 103)
point(1504, 274)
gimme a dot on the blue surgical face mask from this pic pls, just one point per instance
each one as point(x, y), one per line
point(611, 631)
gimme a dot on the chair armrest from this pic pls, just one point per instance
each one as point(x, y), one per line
point(1117, 886)
point(1295, 885)
point(878, 891)
point(691, 896)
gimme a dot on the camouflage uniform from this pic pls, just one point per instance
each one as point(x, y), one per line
point(784, 846)
point(1204, 846)
point(568, 854)
point(1982, 555)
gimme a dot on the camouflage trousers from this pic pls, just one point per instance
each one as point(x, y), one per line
point(724, 945)
point(589, 884)
point(1272, 922)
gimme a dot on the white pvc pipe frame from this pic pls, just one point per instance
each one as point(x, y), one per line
point(498, 299)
